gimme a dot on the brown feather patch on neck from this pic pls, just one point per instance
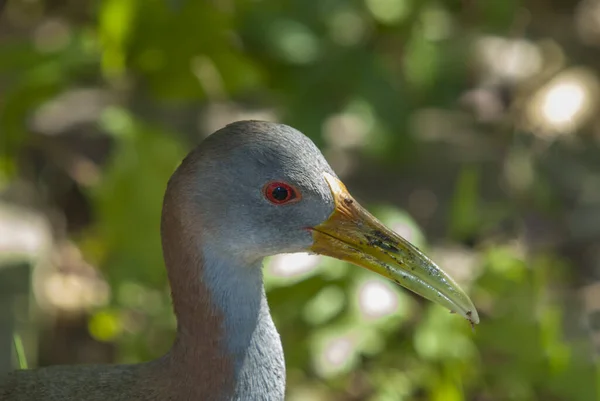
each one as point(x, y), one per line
point(198, 353)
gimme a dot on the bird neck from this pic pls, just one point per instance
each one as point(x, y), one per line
point(226, 341)
point(250, 337)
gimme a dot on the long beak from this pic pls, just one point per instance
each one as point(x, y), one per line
point(352, 234)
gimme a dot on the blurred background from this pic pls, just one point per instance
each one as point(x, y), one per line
point(471, 127)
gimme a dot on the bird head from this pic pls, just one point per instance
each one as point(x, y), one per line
point(262, 189)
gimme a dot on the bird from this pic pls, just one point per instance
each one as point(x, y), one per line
point(250, 190)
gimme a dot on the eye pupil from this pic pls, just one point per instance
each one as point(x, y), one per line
point(280, 193)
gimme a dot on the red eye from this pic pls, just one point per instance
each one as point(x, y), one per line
point(280, 193)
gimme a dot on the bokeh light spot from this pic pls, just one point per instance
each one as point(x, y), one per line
point(337, 354)
point(104, 326)
point(325, 305)
point(376, 299)
point(294, 42)
point(293, 264)
point(388, 11)
point(508, 59)
point(563, 102)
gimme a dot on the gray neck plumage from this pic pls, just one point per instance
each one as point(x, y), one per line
point(251, 339)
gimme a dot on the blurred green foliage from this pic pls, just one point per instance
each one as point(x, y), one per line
point(380, 62)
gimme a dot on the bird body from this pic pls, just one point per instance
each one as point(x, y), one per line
point(251, 190)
